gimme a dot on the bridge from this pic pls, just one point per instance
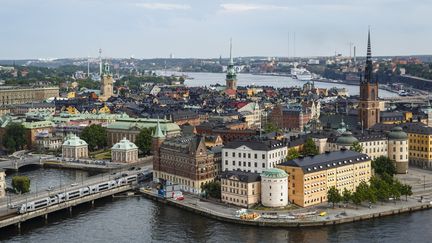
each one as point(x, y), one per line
point(417, 99)
point(15, 164)
point(9, 217)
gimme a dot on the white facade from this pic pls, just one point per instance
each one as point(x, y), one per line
point(274, 188)
point(124, 152)
point(246, 159)
point(373, 149)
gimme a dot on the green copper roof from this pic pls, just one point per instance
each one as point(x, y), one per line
point(124, 144)
point(158, 131)
point(397, 134)
point(74, 140)
point(274, 173)
point(346, 139)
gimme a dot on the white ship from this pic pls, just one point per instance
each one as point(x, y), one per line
point(301, 74)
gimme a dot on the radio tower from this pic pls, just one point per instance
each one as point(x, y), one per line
point(100, 61)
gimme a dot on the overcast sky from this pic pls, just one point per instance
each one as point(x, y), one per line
point(202, 28)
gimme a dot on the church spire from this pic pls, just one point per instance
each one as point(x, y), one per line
point(158, 131)
point(369, 67)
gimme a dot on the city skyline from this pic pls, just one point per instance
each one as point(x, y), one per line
point(192, 29)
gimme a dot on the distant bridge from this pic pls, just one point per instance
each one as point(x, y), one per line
point(418, 99)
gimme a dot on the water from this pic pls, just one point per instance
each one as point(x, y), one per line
point(142, 220)
point(41, 179)
point(207, 79)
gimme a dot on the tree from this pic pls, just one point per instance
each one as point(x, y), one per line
point(21, 184)
point(292, 154)
point(406, 190)
point(95, 136)
point(356, 198)
point(333, 195)
point(271, 127)
point(356, 146)
point(383, 165)
point(144, 140)
point(15, 137)
point(309, 148)
point(213, 189)
point(346, 195)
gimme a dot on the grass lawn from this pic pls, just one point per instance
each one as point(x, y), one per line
point(105, 154)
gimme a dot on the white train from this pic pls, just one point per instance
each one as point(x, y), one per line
point(75, 193)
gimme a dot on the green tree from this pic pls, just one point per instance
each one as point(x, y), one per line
point(356, 146)
point(95, 136)
point(271, 127)
point(309, 148)
point(346, 195)
point(292, 154)
point(144, 140)
point(356, 198)
point(333, 195)
point(406, 190)
point(21, 184)
point(213, 189)
point(383, 165)
point(15, 137)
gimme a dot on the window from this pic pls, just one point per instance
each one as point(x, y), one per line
point(256, 164)
point(233, 155)
point(263, 165)
point(226, 153)
point(263, 156)
point(233, 163)
point(226, 162)
point(255, 156)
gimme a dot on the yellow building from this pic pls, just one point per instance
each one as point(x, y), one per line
point(310, 177)
point(420, 144)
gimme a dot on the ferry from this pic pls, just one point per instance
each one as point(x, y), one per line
point(301, 74)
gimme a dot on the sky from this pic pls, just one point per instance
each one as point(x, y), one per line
point(202, 28)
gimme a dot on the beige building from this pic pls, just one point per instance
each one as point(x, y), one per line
point(74, 147)
point(16, 95)
point(311, 177)
point(251, 113)
point(107, 82)
point(124, 152)
point(240, 188)
point(2, 183)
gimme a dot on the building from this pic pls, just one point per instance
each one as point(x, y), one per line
point(107, 82)
point(2, 183)
point(274, 188)
point(130, 127)
point(398, 149)
point(369, 108)
point(231, 76)
point(22, 109)
point(251, 113)
point(240, 188)
point(74, 147)
point(49, 142)
point(182, 160)
point(10, 95)
point(290, 117)
point(253, 155)
point(311, 177)
point(124, 152)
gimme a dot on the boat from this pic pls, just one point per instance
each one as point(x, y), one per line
point(301, 74)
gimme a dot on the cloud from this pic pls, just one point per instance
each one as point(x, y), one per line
point(164, 6)
point(246, 7)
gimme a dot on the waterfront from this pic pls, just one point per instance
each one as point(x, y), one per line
point(207, 79)
point(137, 219)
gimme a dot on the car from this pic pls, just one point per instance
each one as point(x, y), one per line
point(322, 214)
point(124, 175)
point(50, 188)
point(74, 184)
point(139, 168)
point(180, 198)
point(132, 168)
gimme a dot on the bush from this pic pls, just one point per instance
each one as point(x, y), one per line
point(21, 184)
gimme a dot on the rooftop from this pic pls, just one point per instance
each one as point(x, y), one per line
point(241, 176)
point(327, 160)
